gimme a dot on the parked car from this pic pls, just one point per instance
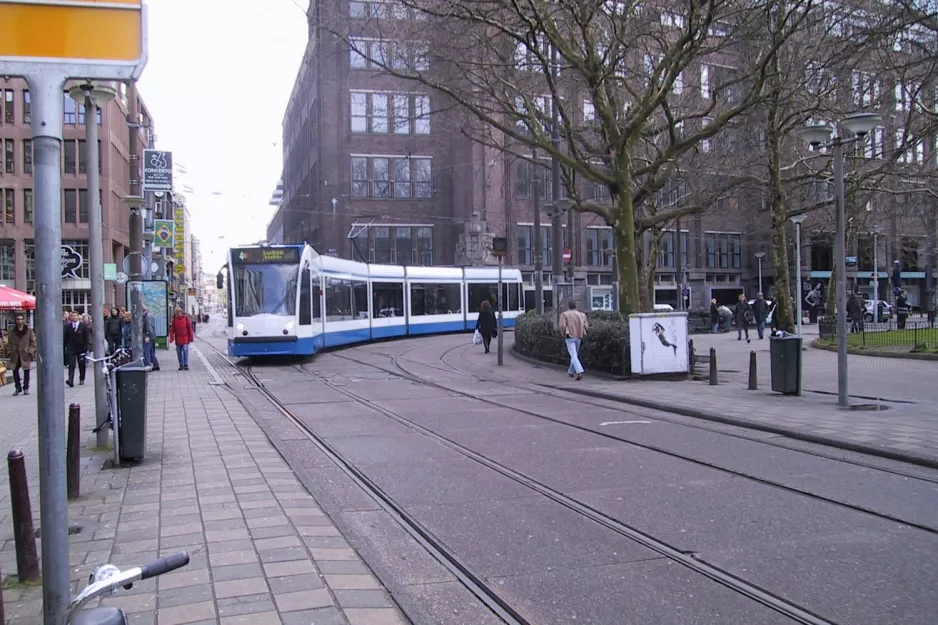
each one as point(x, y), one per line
point(886, 311)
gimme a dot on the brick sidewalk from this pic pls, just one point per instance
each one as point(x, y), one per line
point(905, 430)
point(262, 552)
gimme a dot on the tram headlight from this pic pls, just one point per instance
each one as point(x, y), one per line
point(240, 327)
point(289, 325)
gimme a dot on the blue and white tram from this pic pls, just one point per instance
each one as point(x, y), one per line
point(289, 300)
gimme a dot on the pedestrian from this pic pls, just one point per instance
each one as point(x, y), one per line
point(902, 309)
point(22, 343)
point(855, 312)
point(149, 340)
point(181, 333)
point(77, 340)
point(760, 310)
point(714, 315)
point(742, 313)
point(487, 326)
point(574, 325)
point(112, 330)
point(127, 331)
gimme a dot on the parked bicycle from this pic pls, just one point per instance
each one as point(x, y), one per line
point(109, 365)
point(109, 580)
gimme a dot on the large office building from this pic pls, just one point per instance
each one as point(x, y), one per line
point(17, 235)
point(375, 170)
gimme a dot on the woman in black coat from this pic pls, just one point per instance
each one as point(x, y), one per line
point(487, 326)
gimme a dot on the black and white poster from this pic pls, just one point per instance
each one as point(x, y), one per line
point(157, 170)
point(71, 263)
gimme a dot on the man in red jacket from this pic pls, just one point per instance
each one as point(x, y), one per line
point(181, 333)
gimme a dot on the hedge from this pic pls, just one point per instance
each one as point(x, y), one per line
point(601, 350)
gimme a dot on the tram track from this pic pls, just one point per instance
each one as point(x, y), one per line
point(475, 583)
point(611, 404)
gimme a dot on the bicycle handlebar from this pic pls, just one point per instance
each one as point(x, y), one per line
point(109, 578)
point(118, 353)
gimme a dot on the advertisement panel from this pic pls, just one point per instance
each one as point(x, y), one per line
point(157, 170)
point(155, 297)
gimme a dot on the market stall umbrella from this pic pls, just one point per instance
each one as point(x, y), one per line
point(11, 299)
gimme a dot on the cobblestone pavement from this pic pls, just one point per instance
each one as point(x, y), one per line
point(908, 428)
point(262, 552)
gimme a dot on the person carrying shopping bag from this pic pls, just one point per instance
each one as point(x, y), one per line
point(486, 326)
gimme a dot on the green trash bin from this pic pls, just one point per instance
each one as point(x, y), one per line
point(785, 362)
point(132, 406)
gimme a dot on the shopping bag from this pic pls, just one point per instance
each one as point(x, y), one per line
point(477, 338)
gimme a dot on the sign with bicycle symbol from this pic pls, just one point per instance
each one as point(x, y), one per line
point(157, 170)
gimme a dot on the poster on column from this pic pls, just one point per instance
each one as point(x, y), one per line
point(154, 296)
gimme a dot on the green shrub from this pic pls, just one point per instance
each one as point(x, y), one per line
point(601, 350)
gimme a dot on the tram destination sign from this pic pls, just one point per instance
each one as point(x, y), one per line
point(254, 255)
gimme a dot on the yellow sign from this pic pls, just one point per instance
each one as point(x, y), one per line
point(180, 269)
point(110, 31)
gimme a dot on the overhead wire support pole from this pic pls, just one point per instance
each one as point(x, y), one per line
point(556, 229)
point(136, 202)
point(47, 113)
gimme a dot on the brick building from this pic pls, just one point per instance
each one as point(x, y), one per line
point(383, 159)
point(17, 259)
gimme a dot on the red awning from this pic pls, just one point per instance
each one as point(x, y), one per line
point(11, 299)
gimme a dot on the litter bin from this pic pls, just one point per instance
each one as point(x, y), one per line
point(785, 357)
point(132, 404)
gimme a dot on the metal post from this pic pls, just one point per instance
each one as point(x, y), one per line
point(96, 257)
point(679, 266)
point(556, 229)
point(930, 264)
point(760, 276)
point(73, 452)
point(136, 220)
point(45, 90)
point(538, 259)
point(501, 325)
point(875, 277)
point(841, 268)
point(800, 312)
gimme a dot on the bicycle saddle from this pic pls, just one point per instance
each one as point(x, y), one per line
point(99, 616)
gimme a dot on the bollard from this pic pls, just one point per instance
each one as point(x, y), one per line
point(713, 366)
point(2, 617)
point(27, 560)
point(753, 377)
point(73, 451)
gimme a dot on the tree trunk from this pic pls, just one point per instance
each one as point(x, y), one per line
point(784, 315)
point(626, 255)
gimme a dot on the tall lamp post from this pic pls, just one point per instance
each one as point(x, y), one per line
point(91, 97)
point(876, 316)
point(825, 136)
point(760, 256)
point(798, 220)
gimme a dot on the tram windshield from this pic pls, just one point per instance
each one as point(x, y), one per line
point(265, 289)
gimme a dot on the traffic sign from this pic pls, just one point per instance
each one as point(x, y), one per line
point(567, 256)
point(180, 269)
point(499, 246)
point(121, 278)
point(81, 39)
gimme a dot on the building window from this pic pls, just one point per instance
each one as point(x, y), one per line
point(525, 172)
point(404, 246)
point(82, 206)
point(70, 206)
point(68, 154)
point(526, 244)
point(70, 106)
point(9, 206)
point(379, 113)
point(424, 246)
point(78, 301)
point(27, 109)
point(377, 54)
point(380, 9)
point(395, 245)
point(666, 250)
point(29, 252)
point(598, 240)
point(865, 89)
point(27, 156)
point(82, 157)
point(81, 115)
point(7, 261)
point(385, 177)
point(382, 253)
point(9, 156)
point(8, 106)
point(81, 247)
point(723, 250)
point(27, 206)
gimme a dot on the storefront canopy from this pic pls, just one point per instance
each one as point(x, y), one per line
point(11, 299)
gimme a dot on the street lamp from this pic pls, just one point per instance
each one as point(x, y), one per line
point(760, 256)
point(798, 220)
point(826, 136)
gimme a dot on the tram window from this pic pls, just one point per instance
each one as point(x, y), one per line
point(479, 293)
point(434, 299)
point(387, 299)
point(317, 301)
point(338, 300)
point(306, 313)
point(510, 296)
point(265, 289)
point(359, 300)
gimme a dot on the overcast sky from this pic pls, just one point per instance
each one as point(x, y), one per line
point(217, 82)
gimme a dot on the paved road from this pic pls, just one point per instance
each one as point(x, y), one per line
point(851, 541)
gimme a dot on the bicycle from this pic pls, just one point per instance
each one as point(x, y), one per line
point(108, 579)
point(109, 365)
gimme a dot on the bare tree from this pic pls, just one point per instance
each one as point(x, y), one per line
point(636, 92)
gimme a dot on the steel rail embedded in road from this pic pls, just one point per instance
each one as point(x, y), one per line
point(424, 537)
point(714, 573)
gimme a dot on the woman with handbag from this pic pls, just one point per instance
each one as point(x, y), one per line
point(486, 326)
